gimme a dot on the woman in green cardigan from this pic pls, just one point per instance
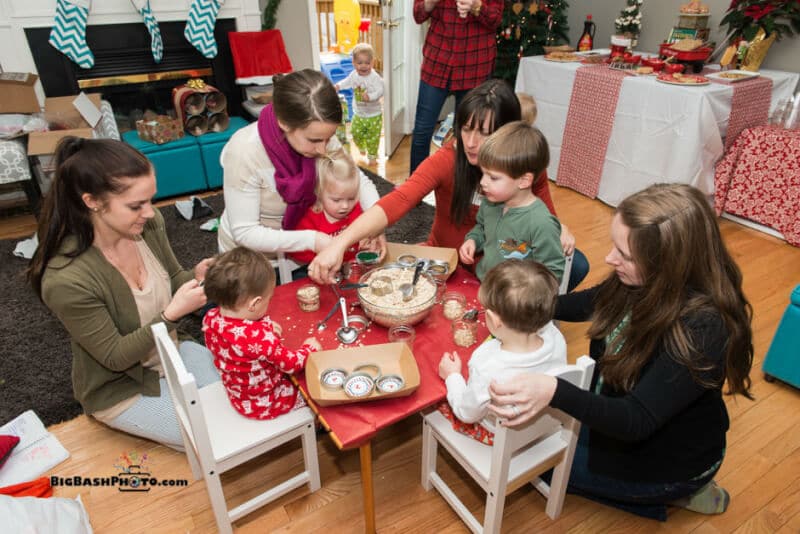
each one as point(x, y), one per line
point(105, 268)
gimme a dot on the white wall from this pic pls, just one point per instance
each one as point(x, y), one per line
point(293, 20)
point(659, 16)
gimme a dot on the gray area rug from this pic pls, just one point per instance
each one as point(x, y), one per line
point(36, 362)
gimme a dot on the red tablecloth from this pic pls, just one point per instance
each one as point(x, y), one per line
point(354, 424)
point(759, 179)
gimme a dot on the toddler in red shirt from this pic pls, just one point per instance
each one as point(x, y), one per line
point(254, 364)
point(337, 201)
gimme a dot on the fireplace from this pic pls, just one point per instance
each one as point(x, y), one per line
point(125, 72)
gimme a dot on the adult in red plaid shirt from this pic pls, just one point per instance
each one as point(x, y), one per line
point(458, 55)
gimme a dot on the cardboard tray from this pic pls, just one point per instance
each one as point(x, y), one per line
point(393, 358)
point(450, 255)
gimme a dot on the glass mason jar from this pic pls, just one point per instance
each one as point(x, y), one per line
point(454, 304)
point(465, 333)
point(308, 298)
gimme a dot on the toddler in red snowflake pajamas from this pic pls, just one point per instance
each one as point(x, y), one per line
point(254, 364)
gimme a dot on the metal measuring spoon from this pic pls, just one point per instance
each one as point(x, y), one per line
point(346, 333)
point(407, 290)
point(321, 325)
point(471, 315)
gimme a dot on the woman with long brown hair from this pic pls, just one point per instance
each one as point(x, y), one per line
point(669, 326)
point(105, 268)
point(453, 175)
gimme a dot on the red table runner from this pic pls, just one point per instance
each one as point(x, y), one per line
point(354, 424)
point(749, 105)
point(589, 122)
point(759, 179)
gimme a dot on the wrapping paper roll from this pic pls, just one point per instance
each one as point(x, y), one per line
point(196, 124)
point(218, 122)
point(216, 102)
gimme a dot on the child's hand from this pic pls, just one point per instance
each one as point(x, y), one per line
point(313, 342)
point(277, 328)
point(336, 85)
point(374, 244)
point(449, 364)
point(467, 252)
point(364, 96)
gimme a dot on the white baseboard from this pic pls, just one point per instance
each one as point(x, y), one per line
point(753, 225)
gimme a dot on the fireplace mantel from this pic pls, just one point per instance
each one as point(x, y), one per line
point(16, 15)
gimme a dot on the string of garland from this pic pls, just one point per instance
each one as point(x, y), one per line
point(526, 27)
point(268, 19)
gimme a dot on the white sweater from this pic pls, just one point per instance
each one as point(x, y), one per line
point(372, 85)
point(469, 400)
point(253, 207)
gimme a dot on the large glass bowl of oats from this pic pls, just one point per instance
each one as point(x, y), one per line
point(382, 301)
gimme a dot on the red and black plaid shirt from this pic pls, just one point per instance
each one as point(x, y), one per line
point(459, 52)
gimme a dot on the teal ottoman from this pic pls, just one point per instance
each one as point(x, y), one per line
point(178, 164)
point(211, 145)
point(783, 357)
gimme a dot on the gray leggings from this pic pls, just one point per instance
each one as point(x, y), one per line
point(154, 417)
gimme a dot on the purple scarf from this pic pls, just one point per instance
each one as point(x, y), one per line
point(295, 175)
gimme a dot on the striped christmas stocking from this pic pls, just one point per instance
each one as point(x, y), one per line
point(156, 44)
point(68, 35)
point(200, 26)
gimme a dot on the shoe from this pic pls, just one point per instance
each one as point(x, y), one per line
point(444, 129)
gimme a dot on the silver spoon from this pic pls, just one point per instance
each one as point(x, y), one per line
point(471, 315)
point(406, 289)
point(346, 333)
point(321, 325)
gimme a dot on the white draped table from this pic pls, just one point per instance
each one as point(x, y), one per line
point(661, 132)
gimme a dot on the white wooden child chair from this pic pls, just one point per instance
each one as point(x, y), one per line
point(518, 456)
point(217, 438)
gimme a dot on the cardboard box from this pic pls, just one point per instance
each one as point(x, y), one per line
point(18, 93)
point(64, 110)
point(392, 359)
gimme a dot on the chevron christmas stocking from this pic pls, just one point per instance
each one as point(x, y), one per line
point(200, 26)
point(156, 44)
point(68, 35)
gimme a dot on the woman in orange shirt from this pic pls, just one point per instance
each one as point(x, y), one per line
point(452, 173)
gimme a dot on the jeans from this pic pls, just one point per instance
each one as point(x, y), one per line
point(646, 499)
point(154, 418)
point(580, 268)
point(429, 104)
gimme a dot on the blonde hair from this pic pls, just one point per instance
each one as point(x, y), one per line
point(528, 108)
point(363, 48)
point(515, 149)
point(336, 166)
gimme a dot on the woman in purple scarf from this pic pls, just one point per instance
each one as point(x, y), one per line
point(269, 167)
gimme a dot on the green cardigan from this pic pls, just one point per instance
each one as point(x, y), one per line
point(96, 306)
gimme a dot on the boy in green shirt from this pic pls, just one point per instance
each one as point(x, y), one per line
point(512, 222)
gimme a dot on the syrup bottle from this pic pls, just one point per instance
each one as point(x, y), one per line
point(586, 42)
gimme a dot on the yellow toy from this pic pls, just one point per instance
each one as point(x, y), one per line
point(347, 15)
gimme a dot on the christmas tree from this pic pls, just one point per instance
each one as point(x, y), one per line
point(629, 22)
point(525, 29)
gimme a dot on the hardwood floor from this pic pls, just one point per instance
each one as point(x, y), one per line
point(761, 470)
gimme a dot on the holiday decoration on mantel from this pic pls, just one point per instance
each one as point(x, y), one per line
point(68, 35)
point(629, 22)
point(200, 26)
point(525, 29)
